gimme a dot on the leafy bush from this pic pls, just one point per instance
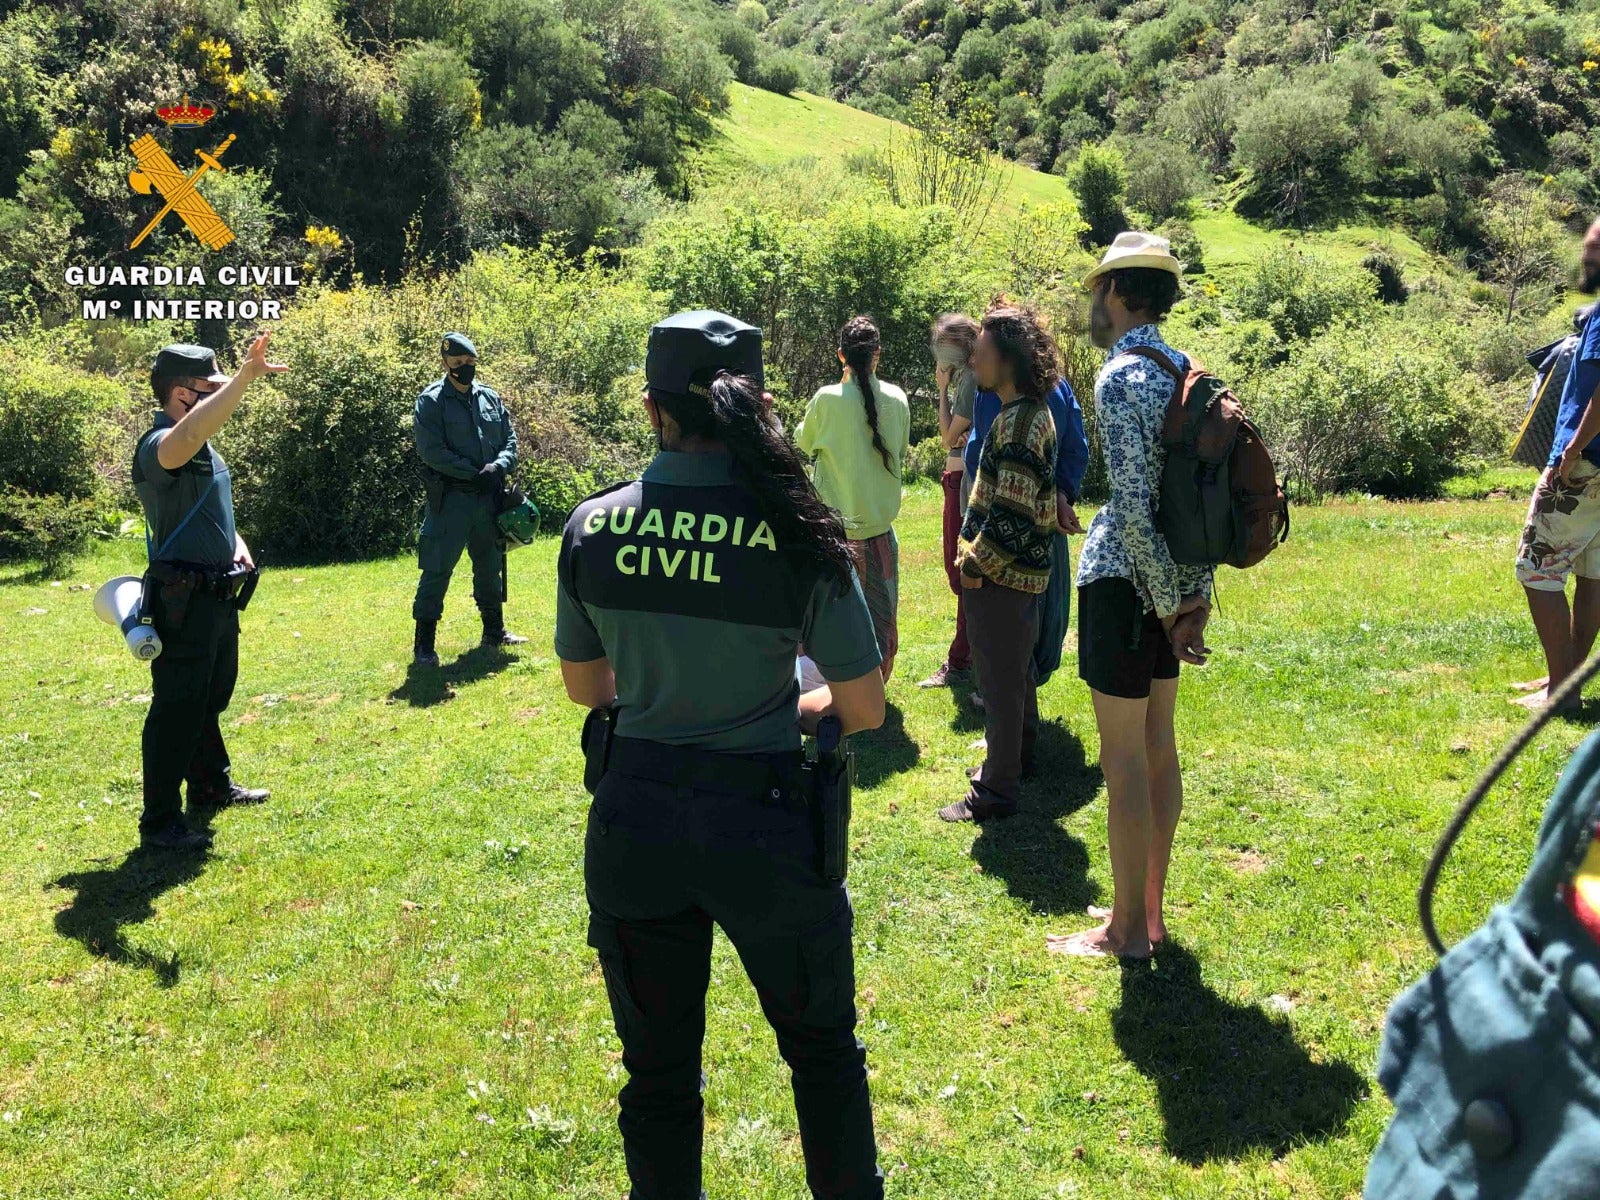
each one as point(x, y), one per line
point(1186, 246)
point(1293, 141)
point(1396, 418)
point(781, 73)
point(1163, 177)
point(55, 424)
point(1099, 179)
point(47, 529)
point(1302, 294)
point(925, 460)
point(1384, 265)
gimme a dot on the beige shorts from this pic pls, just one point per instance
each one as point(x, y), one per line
point(1562, 534)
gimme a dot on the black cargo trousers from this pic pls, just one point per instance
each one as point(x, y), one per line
point(679, 839)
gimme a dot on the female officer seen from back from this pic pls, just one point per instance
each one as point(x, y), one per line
point(681, 603)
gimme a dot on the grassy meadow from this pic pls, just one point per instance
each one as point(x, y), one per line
point(377, 984)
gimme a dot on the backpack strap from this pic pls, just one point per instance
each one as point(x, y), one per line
point(1160, 359)
point(155, 555)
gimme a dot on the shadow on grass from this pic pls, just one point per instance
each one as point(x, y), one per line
point(1041, 863)
point(1231, 1079)
point(23, 575)
point(885, 751)
point(1586, 714)
point(107, 901)
point(426, 686)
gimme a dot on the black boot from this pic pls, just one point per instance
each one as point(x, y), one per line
point(494, 628)
point(422, 652)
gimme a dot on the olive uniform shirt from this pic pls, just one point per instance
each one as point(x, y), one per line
point(679, 582)
point(459, 433)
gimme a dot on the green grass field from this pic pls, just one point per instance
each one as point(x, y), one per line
point(377, 985)
point(766, 129)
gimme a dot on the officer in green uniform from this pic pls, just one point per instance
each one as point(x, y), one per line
point(683, 598)
point(468, 446)
point(198, 565)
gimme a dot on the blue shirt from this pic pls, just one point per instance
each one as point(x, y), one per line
point(1582, 381)
point(1072, 445)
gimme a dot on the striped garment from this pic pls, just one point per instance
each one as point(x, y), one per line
point(877, 562)
point(1011, 516)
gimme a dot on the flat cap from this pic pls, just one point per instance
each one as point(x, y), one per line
point(688, 349)
point(457, 343)
point(183, 361)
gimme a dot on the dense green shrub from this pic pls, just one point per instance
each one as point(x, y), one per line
point(1099, 179)
point(1351, 412)
point(1302, 294)
point(1384, 265)
point(1163, 177)
point(55, 425)
point(48, 530)
point(1186, 246)
point(781, 73)
point(1293, 141)
point(925, 460)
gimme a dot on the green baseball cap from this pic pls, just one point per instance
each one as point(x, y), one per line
point(183, 361)
point(457, 343)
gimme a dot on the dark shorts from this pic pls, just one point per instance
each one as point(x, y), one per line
point(1121, 647)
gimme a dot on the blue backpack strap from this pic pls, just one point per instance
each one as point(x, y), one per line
point(173, 536)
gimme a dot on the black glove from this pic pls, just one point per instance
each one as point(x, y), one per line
point(491, 478)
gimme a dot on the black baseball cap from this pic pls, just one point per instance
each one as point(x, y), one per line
point(457, 343)
point(183, 361)
point(688, 349)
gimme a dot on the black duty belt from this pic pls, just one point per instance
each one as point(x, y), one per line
point(705, 770)
point(224, 583)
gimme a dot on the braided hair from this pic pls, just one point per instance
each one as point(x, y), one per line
point(859, 343)
point(1025, 344)
point(734, 413)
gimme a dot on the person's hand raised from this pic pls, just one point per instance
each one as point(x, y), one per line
point(255, 359)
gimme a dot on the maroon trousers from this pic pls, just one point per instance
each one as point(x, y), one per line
point(959, 656)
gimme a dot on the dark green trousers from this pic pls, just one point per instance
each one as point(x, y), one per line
point(465, 521)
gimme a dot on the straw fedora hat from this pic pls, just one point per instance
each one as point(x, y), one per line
point(1134, 249)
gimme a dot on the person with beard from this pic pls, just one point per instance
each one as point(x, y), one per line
point(198, 567)
point(1139, 612)
point(1562, 534)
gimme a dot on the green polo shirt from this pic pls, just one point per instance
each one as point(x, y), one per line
point(681, 583)
point(167, 497)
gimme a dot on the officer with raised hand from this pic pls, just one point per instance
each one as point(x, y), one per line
point(199, 565)
point(468, 446)
point(682, 600)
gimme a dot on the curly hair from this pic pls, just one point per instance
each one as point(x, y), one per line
point(1147, 290)
point(1024, 342)
point(859, 343)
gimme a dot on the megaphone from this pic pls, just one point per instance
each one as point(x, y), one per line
point(118, 603)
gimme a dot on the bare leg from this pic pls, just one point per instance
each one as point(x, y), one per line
point(1166, 798)
point(1124, 763)
point(1553, 621)
point(1585, 619)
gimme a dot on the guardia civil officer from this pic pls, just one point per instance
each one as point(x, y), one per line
point(682, 600)
point(468, 446)
point(198, 566)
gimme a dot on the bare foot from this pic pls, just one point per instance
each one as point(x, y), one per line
point(1540, 700)
point(1157, 928)
point(1532, 685)
point(1097, 943)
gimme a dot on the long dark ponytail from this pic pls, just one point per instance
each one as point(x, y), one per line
point(859, 343)
point(767, 463)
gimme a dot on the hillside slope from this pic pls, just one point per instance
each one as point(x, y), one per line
point(764, 129)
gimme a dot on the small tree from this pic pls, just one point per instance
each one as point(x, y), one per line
point(1527, 244)
point(1099, 179)
point(1294, 142)
point(1163, 177)
point(1205, 117)
point(942, 157)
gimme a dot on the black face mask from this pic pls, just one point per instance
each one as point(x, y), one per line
point(188, 406)
point(464, 373)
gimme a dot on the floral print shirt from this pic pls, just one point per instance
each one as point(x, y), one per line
point(1131, 396)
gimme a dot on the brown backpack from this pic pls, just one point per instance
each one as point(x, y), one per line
point(1221, 501)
